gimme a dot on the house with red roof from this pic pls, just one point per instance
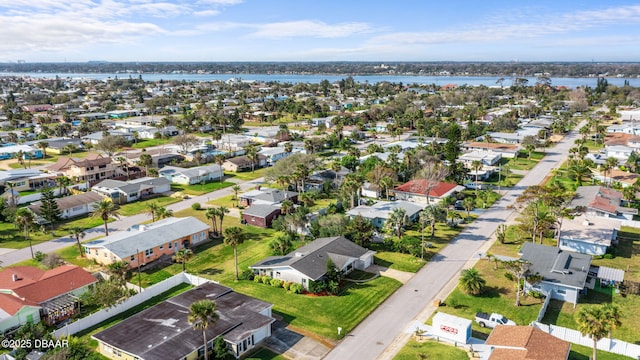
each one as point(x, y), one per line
point(525, 343)
point(29, 294)
point(421, 191)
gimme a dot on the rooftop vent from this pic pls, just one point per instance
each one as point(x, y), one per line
point(299, 254)
point(14, 277)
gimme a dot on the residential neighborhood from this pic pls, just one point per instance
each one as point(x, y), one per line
point(223, 219)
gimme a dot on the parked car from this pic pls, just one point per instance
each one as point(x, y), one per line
point(458, 205)
point(491, 320)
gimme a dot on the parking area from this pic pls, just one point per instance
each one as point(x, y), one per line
point(294, 345)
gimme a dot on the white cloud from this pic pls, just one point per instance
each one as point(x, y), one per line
point(308, 28)
point(205, 13)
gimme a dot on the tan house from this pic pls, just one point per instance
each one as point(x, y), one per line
point(93, 168)
point(242, 163)
point(143, 244)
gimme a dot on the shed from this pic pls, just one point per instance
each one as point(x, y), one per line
point(451, 327)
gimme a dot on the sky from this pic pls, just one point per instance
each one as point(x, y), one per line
point(318, 30)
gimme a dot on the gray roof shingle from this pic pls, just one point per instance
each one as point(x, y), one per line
point(557, 266)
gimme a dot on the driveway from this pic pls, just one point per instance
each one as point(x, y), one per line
point(401, 276)
point(294, 345)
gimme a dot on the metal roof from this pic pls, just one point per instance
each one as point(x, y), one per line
point(610, 274)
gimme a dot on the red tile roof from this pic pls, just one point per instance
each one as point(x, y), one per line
point(12, 304)
point(420, 186)
point(525, 343)
point(34, 286)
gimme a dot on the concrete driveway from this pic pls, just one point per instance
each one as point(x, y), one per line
point(294, 345)
point(401, 276)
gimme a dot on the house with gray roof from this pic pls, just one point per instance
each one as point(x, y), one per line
point(163, 331)
point(70, 206)
point(602, 202)
point(122, 192)
point(267, 196)
point(564, 273)
point(379, 212)
point(142, 244)
point(194, 175)
point(309, 263)
point(261, 215)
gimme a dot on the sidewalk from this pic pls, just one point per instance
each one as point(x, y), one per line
point(12, 256)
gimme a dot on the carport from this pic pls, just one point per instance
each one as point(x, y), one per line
point(610, 276)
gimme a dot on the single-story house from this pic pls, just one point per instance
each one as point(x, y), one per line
point(507, 150)
point(95, 137)
point(261, 215)
point(317, 180)
point(70, 206)
point(267, 196)
point(379, 212)
point(309, 263)
point(525, 343)
point(233, 142)
point(591, 235)
point(163, 331)
point(145, 243)
point(160, 157)
point(620, 152)
point(600, 201)
point(242, 163)
point(27, 179)
point(29, 294)
point(421, 191)
point(194, 175)
point(274, 154)
point(564, 273)
point(488, 158)
point(122, 192)
point(10, 151)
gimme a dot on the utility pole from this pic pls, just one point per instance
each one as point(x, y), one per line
point(139, 278)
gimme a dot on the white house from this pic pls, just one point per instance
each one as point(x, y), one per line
point(600, 201)
point(122, 192)
point(619, 152)
point(591, 235)
point(71, 206)
point(488, 158)
point(274, 154)
point(564, 273)
point(629, 115)
point(309, 263)
point(379, 212)
point(194, 175)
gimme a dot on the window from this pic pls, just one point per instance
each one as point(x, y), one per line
point(194, 238)
point(175, 244)
point(148, 252)
point(170, 245)
point(161, 247)
point(304, 281)
point(203, 235)
point(561, 291)
point(133, 258)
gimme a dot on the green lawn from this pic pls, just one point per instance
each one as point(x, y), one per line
point(265, 354)
point(226, 201)
point(523, 162)
point(199, 189)
point(150, 142)
point(430, 349)
point(247, 175)
point(142, 206)
point(579, 352)
point(398, 261)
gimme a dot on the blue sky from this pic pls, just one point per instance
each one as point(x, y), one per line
point(322, 30)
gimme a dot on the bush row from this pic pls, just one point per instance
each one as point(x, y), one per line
point(289, 286)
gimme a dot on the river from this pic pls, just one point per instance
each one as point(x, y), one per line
point(316, 78)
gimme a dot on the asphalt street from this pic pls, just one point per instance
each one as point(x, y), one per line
point(14, 256)
point(387, 325)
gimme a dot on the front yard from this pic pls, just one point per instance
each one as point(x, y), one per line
point(199, 189)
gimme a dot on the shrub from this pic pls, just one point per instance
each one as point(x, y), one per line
point(453, 302)
point(247, 274)
point(317, 287)
point(257, 278)
point(607, 256)
point(52, 260)
point(196, 206)
point(286, 285)
point(276, 283)
point(333, 287)
point(39, 256)
point(296, 288)
point(509, 276)
point(266, 280)
point(537, 295)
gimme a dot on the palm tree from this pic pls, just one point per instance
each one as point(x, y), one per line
point(19, 155)
point(613, 316)
point(153, 210)
point(608, 167)
point(219, 159)
point(592, 321)
point(397, 220)
point(236, 190)
point(63, 182)
point(43, 145)
point(202, 314)
point(471, 282)
point(252, 155)
point(286, 207)
point(580, 169)
point(233, 237)
point(104, 210)
point(182, 256)
point(476, 165)
point(221, 211)
point(212, 214)
point(468, 204)
point(283, 181)
point(164, 213)
point(78, 233)
point(25, 218)
point(118, 272)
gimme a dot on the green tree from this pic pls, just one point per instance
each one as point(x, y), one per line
point(613, 316)
point(78, 233)
point(219, 159)
point(145, 160)
point(163, 213)
point(471, 282)
point(236, 190)
point(49, 208)
point(202, 314)
point(530, 142)
point(220, 351)
point(592, 321)
point(233, 237)
point(183, 256)
point(105, 209)
point(281, 245)
point(43, 145)
point(25, 219)
point(152, 209)
point(222, 210)
point(397, 221)
point(110, 144)
point(118, 272)
point(212, 214)
point(360, 231)
point(252, 155)
point(468, 204)
point(476, 165)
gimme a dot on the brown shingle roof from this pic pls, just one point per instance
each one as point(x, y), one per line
point(525, 343)
point(419, 186)
point(70, 201)
point(92, 159)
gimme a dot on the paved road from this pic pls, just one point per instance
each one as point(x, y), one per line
point(12, 257)
point(382, 333)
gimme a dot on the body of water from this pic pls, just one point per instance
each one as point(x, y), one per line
point(314, 79)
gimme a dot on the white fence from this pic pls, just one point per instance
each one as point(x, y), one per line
point(611, 345)
point(147, 293)
point(543, 309)
point(56, 192)
point(630, 223)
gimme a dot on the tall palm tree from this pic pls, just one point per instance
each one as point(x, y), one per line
point(476, 165)
point(236, 190)
point(252, 155)
point(608, 166)
point(222, 210)
point(233, 237)
point(26, 219)
point(104, 210)
point(43, 145)
point(182, 256)
point(78, 233)
point(63, 182)
point(219, 159)
point(397, 220)
point(613, 316)
point(202, 314)
point(212, 214)
point(592, 321)
point(164, 213)
point(471, 282)
point(152, 209)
